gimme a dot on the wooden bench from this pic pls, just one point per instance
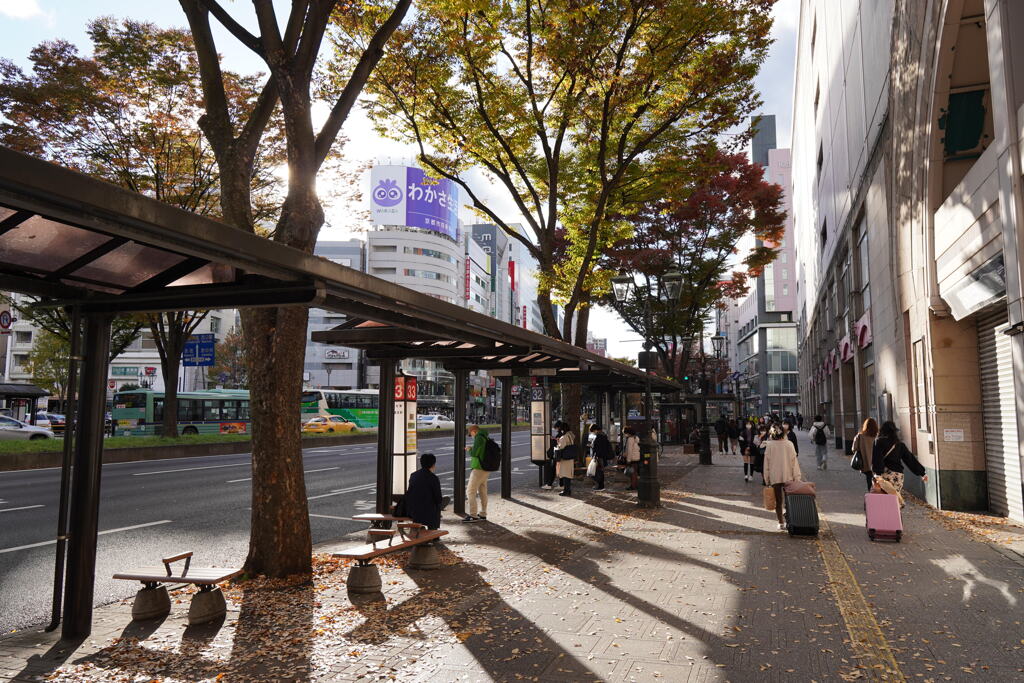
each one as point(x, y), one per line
point(152, 600)
point(364, 577)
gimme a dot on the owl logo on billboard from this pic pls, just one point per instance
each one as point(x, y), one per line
point(387, 192)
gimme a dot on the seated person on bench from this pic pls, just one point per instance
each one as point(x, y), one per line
point(423, 500)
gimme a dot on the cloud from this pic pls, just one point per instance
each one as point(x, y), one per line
point(25, 9)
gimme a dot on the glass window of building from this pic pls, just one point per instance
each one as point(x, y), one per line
point(23, 337)
point(769, 287)
point(214, 324)
point(384, 248)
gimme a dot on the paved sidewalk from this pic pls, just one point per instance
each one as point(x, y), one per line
point(591, 588)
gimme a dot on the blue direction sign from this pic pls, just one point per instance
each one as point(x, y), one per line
point(199, 350)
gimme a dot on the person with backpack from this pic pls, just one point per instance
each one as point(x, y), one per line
point(864, 448)
point(565, 455)
point(889, 455)
point(820, 435)
point(477, 487)
point(601, 451)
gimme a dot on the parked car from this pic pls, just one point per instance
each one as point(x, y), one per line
point(11, 429)
point(52, 421)
point(328, 424)
point(426, 422)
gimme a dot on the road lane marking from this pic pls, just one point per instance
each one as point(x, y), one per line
point(190, 469)
point(108, 531)
point(26, 507)
point(323, 469)
point(338, 492)
point(866, 637)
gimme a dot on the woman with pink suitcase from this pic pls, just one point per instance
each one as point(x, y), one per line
point(882, 504)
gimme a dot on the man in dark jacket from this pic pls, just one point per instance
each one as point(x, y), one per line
point(722, 432)
point(601, 450)
point(423, 500)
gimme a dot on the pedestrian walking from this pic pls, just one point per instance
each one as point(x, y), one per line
point(477, 487)
point(565, 457)
point(601, 452)
point(820, 435)
point(787, 426)
point(423, 500)
point(631, 449)
point(780, 467)
point(722, 432)
point(889, 455)
point(747, 437)
point(734, 435)
point(800, 421)
point(863, 448)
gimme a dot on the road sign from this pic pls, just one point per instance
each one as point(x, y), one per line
point(199, 351)
point(5, 322)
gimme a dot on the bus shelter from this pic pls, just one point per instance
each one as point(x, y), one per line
point(100, 251)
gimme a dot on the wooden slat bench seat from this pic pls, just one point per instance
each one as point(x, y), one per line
point(364, 576)
point(152, 600)
point(378, 521)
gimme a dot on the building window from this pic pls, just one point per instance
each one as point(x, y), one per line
point(785, 290)
point(784, 257)
point(23, 337)
point(20, 360)
point(384, 271)
point(428, 275)
point(432, 253)
point(769, 287)
point(785, 273)
point(384, 248)
point(214, 324)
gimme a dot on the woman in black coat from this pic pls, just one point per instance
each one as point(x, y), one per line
point(889, 455)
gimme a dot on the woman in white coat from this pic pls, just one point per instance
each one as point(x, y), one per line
point(780, 467)
point(631, 451)
point(565, 469)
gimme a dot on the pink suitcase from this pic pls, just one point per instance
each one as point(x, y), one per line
point(882, 516)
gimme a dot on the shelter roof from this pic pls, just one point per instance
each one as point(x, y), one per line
point(82, 241)
point(18, 390)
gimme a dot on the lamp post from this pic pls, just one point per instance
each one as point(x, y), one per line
point(648, 486)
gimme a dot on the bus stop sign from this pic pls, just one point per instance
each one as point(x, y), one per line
point(199, 350)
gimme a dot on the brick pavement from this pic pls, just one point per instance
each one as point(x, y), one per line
point(591, 588)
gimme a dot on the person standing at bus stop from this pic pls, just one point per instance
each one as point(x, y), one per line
point(477, 487)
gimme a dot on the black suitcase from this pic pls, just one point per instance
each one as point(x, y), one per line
point(801, 515)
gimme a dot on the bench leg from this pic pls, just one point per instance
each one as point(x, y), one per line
point(207, 605)
point(364, 578)
point(151, 602)
point(425, 557)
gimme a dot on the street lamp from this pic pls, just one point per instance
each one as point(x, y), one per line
point(648, 487)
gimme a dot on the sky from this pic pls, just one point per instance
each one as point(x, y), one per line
point(26, 23)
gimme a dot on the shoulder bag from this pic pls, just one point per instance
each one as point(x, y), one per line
point(857, 461)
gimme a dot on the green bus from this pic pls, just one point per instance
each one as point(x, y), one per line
point(355, 405)
point(219, 411)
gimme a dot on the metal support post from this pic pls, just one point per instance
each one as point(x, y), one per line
point(506, 437)
point(70, 413)
point(385, 435)
point(648, 494)
point(461, 378)
point(85, 481)
point(705, 432)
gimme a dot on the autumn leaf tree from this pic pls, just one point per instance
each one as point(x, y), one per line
point(275, 337)
point(690, 236)
point(127, 114)
point(124, 330)
point(230, 367)
point(563, 104)
point(48, 363)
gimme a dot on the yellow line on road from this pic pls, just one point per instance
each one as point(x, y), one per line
point(866, 637)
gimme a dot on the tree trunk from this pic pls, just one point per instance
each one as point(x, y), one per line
point(169, 368)
point(279, 541)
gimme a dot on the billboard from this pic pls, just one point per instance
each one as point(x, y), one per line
point(405, 195)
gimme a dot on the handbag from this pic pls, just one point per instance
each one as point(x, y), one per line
point(592, 468)
point(801, 488)
point(768, 493)
point(857, 462)
point(568, 453)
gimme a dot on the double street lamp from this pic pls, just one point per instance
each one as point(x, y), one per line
point(668, 289)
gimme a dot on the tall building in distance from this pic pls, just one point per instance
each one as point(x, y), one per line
point(332, 366)
point(761, 327)
point(907, 202)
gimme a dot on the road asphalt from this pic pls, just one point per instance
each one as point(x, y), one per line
point(153, 509)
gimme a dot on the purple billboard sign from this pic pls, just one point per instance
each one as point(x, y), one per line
point(405, 195)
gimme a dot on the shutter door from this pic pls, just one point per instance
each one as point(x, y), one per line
point(1000, 417)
